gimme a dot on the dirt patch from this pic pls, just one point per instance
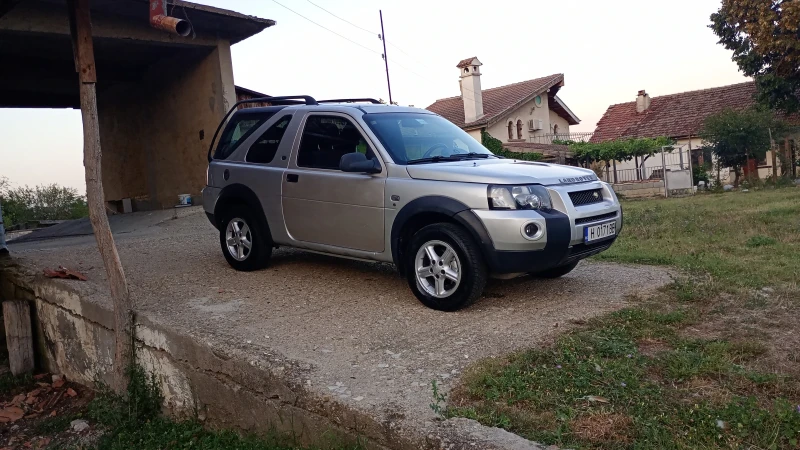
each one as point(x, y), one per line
point(604, 427)
point(41, 415)
point(652, 347)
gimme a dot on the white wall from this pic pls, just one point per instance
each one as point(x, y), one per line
point(524, 113)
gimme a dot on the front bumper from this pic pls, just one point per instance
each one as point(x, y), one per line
point(508, 251)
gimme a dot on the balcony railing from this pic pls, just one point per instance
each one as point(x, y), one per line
point(549, 138)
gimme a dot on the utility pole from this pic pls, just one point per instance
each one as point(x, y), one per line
point(385, 58)
point(83, 49)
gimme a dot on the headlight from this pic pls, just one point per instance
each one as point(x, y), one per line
point(532, 196)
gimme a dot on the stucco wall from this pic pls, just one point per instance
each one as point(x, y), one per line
point(151, 130)
point(526, 112)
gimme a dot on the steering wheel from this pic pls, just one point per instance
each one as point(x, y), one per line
point(430, 151)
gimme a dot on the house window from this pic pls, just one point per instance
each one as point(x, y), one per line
point(519, 129)
point(555, 129)
point(510, 130)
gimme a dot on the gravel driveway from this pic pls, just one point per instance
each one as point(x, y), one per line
point(360, 334)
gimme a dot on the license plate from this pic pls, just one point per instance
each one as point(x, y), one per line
point(598, 232)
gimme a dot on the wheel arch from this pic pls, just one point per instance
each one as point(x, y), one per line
point(239, 194)
point(427, 210)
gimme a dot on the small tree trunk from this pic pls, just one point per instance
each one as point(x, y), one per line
point(81, 30)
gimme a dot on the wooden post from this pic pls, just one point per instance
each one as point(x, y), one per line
point(81, 32)
point(17, 319)
point(787, 153)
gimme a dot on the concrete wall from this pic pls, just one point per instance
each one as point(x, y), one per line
point(151, 130)
point(75, 337)
point(640, 190)
point(524, 113)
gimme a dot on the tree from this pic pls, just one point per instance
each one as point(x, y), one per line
point(737, 136)
point(764, 36)
point(45, 202)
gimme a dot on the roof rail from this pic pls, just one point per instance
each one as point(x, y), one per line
point(308, 100)
point(351, 100)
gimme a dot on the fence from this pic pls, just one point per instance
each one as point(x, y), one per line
point(675, 166)
point(549, 138)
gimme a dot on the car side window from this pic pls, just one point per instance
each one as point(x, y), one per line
point(326, 139)
point(238, 129)
point(264, 149)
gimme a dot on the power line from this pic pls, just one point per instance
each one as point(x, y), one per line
point(343, 20)
point(368, 31)
point(328, 29)
point(360, 45)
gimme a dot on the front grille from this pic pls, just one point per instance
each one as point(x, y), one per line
point(583, 220)
point(585, 250)
point(580, 198)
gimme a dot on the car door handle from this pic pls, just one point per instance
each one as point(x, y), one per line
point(292, 177)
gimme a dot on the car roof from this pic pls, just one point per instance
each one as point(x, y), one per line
point(364, 108)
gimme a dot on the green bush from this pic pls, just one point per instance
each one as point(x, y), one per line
point(699, 173)
point(496, 146)
point(51, 202)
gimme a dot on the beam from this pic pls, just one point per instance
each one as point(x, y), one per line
point(81, 33)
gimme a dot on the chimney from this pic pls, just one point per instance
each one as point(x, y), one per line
point(642, 101)
point(470, 85)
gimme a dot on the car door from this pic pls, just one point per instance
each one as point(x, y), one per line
point(323, 205)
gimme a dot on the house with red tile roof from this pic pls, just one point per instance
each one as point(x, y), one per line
point(680, 117)
point(516, 113)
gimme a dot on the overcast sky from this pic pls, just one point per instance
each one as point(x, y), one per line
point(606, 50)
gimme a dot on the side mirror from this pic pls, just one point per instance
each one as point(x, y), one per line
point(358, 162)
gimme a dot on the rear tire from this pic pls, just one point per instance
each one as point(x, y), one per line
point(445, 268)
point(556, 272)
point(245, 244)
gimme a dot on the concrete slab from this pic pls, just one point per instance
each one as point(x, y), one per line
point(347, 333)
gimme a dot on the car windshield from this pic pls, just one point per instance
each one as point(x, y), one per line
point(422, 138)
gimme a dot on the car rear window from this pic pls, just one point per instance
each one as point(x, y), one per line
point(238, 129)
point(264, 149)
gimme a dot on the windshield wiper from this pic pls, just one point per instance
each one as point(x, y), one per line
point(471, 155)
point(433, 159)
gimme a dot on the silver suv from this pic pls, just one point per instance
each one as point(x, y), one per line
point(357, 179)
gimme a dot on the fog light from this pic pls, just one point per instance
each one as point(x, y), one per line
point(532, 231)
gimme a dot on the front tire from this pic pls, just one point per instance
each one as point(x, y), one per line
point(445, 268)
point(245, 244)
point(557, 272)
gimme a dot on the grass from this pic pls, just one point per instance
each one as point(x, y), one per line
point(709, 362)
point(745, 239)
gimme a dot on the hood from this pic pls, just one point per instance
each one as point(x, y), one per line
point(501, 171)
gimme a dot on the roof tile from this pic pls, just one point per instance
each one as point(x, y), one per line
point(675, 115)
point(496, 101)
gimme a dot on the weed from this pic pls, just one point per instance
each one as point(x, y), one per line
point(9, 383)
point(439, 399)
point(760, 241)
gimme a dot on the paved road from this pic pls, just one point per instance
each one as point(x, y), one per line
point(355, 328)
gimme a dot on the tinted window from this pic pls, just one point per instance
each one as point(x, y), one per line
point(410, 136)
point(326, 138)
point(239, 128)
point(263, 150)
